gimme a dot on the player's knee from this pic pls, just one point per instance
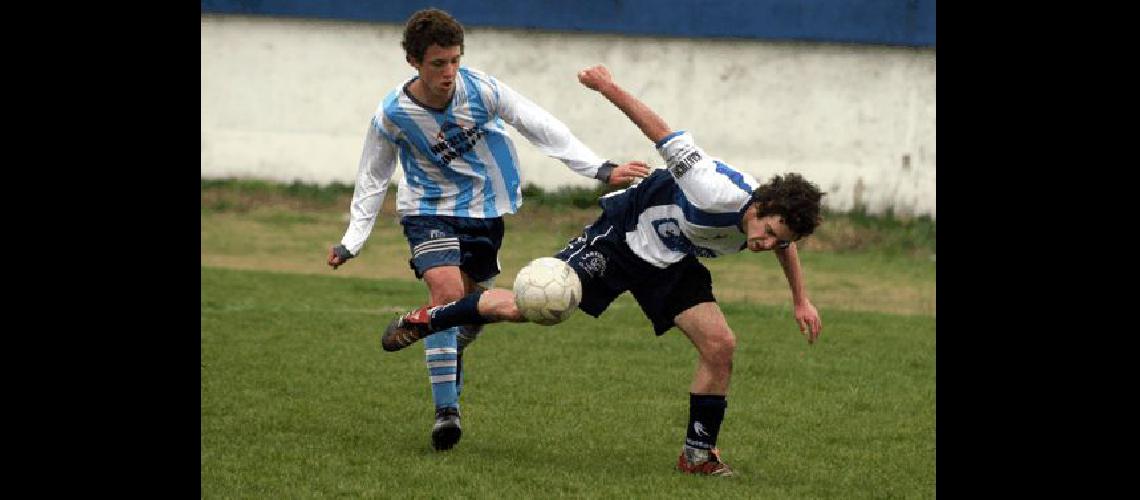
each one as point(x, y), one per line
point(445, 284)
point(719, 350)
point(499, 304)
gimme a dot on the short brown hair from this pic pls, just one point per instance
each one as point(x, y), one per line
point(794, 199)
point(427, 27)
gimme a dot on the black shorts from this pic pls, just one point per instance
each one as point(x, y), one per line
point(607, 268)
point(470, 243)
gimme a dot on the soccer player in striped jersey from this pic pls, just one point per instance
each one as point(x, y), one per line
point(647, 241)
point(446, 126)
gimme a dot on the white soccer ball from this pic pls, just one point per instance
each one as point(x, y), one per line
point(547, 290)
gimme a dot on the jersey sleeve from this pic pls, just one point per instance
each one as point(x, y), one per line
point(708, 185)
point(377, 164)
point(546, 132)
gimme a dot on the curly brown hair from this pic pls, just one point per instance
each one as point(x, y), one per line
point(794, 199)
point(427, 27)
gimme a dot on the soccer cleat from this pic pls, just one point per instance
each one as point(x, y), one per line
point(406, 330)
point(467, 335)
point(704, 462)
point(446, 431)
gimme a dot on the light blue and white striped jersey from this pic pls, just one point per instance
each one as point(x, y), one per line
point(458, 161)
point(693, 206)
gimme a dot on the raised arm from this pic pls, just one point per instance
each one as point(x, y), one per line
point(598, 78)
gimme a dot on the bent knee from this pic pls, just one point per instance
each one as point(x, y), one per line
point(720, 348)
point(445, 284)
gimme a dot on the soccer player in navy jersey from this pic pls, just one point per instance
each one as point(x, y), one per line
point(445, 126)
point(647, 241)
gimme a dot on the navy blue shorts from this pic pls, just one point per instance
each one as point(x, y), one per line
point(470, 243)
point(607, 268)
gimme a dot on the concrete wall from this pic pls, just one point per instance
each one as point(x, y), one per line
point(290, 99)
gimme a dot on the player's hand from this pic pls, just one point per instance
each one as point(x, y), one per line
point(595, 77)
point(334, 260)
point(626, 173)
point(808, 319)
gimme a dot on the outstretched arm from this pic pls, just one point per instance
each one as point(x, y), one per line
point(598, 78)
point(806, 315)
point(554, 139)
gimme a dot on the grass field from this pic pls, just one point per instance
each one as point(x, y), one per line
point(298, 401)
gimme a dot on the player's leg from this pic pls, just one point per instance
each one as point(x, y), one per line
point(479, 240)
point(706, 327)
point(681, 296)
point(436, 258)
point(441, 353)
point(709, 332)
point(472, 310)
point(599, 288)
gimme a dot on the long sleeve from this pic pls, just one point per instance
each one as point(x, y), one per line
point(708, 185)
point(377, 164)
point(546, 132)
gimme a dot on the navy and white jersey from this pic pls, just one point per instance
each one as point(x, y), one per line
point(458, 161)
point(692, 206)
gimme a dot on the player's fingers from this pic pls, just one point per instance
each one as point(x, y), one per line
point(802, 323)
point(632, 172)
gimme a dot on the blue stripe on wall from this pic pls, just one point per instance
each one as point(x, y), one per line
point(885, 22)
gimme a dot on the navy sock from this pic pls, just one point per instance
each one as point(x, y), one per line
point(464, 311)
point(706, 411)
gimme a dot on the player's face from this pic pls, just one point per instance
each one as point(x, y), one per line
point(766, 233)
point(439, 68)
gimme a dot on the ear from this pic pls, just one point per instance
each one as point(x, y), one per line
point(752, 208)
point(412, 62)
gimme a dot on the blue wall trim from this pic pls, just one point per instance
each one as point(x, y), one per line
point(880, 22)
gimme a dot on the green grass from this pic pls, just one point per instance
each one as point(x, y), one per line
point(298, 401)
point(853, 262)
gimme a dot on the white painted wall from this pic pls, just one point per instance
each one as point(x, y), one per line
point(289, 99)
